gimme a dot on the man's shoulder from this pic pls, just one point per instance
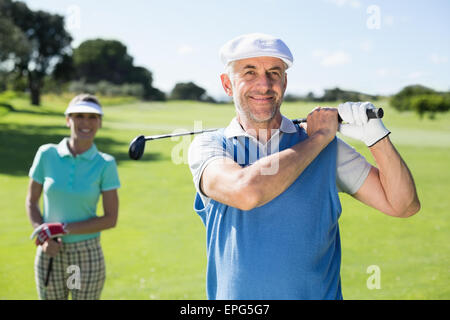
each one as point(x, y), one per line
point(207, 138)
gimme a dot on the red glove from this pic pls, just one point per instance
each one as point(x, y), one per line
point(48, 231)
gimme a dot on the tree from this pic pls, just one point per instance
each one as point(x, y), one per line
point(48, 41)
point(144, 77)
point(401, 100)
point(422, 100)
point(188, 91)
point(108, 60)
point(310, 96)
point(64, 70)
point(344, 95)
point(14, 45)
point(99, 59)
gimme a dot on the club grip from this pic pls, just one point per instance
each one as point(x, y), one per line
point(376, 113)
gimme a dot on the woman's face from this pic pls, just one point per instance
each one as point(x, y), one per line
point(83, 126)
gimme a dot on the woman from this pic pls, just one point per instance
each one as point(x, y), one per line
point(72, 175)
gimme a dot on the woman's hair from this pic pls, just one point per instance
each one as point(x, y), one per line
point(85, 97)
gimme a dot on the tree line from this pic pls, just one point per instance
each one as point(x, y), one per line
point(36, 55)
point(421, 99)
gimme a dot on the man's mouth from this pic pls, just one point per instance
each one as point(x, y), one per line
point(262, 98)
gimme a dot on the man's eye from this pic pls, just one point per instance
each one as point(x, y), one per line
point(250, 72)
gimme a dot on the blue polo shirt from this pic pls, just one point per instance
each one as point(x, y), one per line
point(72, 185)
point(288, 248)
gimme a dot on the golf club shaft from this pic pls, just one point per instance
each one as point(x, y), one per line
point(50, 267)
point(49, 271)
point(376, 113)
point(371, 114)
point(170, 135)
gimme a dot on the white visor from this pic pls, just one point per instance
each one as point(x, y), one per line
point(84, 107)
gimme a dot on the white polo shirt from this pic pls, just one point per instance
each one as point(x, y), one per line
point(352, 167)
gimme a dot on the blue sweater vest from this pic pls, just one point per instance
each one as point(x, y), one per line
point(288, 248)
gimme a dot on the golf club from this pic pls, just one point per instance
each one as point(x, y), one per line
point(49, 271)
point(137, 146)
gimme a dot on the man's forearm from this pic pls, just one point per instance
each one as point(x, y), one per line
point(396, 179)
point(272, 175)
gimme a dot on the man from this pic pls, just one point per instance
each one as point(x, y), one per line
point(267, 190)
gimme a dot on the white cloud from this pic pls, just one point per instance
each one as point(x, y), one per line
point(438, 59)
point(318, 53)
point(415, 75)
point(383, 72)
point(342, 3)
point(331, 59)
point(388, 20)
point(185, 49)
point(366, 46)
point(335, 59)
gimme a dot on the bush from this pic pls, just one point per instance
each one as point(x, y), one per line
point(106, 88)
point(430, 103)
point(402, 100)
point(188, 91)
point(337, 94)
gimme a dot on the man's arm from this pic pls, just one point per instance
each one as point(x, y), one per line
point(389, 188)
point(246, 188)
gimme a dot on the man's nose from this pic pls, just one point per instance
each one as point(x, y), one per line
point(264, 81)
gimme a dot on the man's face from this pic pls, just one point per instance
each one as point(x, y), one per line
point(257, 86)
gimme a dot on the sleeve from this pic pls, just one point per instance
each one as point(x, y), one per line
point(204, 149)
point(352, 168)
point(110, 178)
point(37, 168)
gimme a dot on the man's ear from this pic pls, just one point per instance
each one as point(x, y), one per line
point(226, 84)
point(285, 82)
point(67, 122)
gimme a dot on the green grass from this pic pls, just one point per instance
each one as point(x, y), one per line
point(157, 250)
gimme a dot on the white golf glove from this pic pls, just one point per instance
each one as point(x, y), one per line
point(358, 126)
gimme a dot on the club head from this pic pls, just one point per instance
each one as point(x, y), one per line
point(137, 147)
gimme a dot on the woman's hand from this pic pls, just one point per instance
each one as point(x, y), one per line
point(51, 247)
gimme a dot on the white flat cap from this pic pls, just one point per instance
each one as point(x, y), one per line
point(255, 45)
point(84, 107)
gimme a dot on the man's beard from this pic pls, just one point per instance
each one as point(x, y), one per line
point(246, 112)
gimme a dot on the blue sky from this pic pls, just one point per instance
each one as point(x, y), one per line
point(377, 47)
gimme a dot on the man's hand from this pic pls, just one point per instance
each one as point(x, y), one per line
point(48, 231)
point(358, 126)
point(323, 121)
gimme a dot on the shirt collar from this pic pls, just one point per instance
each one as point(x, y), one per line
point(235, 129)
point(63, 150)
